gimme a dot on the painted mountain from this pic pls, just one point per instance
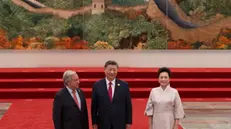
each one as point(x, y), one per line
point(115, 24)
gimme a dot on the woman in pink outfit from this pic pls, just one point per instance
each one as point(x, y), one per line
point(164, 107)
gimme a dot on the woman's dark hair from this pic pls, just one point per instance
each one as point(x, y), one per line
point(164, 69)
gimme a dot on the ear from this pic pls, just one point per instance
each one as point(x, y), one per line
point(66, 83)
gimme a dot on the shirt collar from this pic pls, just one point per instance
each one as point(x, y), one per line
point(113, 81)
point(69, 89)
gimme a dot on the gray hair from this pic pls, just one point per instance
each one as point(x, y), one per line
point(67, 75)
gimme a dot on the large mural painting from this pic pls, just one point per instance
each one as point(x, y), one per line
point(115, 24)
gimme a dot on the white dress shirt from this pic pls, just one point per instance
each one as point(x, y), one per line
point(76, 93)
point(112, 86)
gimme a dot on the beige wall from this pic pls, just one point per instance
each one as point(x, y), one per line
point(59, 58)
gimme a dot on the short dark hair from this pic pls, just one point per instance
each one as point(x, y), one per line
point(111, 62)
point(164, 69)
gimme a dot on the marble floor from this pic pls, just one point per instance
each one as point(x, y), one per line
point(207, 115)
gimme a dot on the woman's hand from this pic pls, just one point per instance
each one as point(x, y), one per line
point(176, 127)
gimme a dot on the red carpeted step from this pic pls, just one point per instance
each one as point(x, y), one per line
point(135, 92)
point(133, 83)
point(123, 72)
point(189, 81)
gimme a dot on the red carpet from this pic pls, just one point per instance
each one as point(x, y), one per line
point(37, 114)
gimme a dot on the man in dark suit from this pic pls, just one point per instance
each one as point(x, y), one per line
point(69, 107)
point(111, 102)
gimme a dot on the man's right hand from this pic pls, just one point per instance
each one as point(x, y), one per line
point(95, 126)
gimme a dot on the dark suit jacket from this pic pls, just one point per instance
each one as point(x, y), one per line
point(66, 113)
point(105, 113)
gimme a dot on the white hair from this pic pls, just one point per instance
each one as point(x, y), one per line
point(67, 75)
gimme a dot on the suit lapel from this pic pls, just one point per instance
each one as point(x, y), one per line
point(116, 90)
point(81, 99)
point(69, 97)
